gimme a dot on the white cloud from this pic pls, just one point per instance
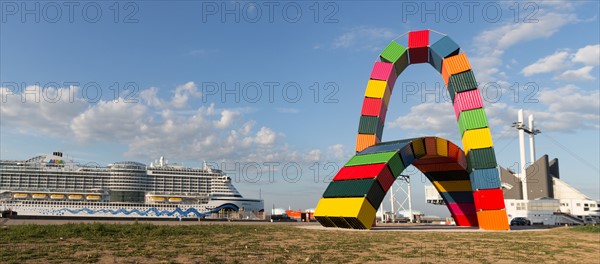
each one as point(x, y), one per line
point(561, 63)
point(364, 38)
point(265, 136)
point(50, 109)
point(581, 74)
point(564, 109)
point(183, 93)
point(588, 55)
point(227, 117)
point(337, 151)
point(109, 120)
point(491, 44)
point(570, 99)
point(152, 127)
point(549, 63)
point(437, 118)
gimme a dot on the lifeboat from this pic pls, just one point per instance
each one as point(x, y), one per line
point(75, 197)
point(39, 196)
point(157, 199)
point(20, 195)
point(57, 196)
point(175, 199)
point(93, 197)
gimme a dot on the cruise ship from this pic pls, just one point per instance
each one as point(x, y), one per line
point(53, 186)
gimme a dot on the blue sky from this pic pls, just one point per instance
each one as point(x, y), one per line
point(277, 86)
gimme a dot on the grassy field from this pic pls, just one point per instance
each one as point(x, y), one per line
point(277, 243)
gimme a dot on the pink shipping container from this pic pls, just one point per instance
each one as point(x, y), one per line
point(466, 101)
point(384, 71)
point(462, 208)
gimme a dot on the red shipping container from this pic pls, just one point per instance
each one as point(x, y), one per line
point(466, 101)
point(371, 106)
point(453, 151)
point(488, 199)
point(370, 171)
point(461, 208)
point(418, 46)
point(384, 71)
point(440, 167)
point(465, 220)
point(430, 147)
point(440, 159)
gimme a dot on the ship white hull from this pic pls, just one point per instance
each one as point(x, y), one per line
point(115, 210)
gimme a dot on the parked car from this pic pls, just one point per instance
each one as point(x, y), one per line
point(520, 221)
point(282, 218)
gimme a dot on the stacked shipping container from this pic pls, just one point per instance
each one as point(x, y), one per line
point(468, 181)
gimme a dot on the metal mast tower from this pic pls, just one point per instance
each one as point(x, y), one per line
point(522, 128)
point(400, 197)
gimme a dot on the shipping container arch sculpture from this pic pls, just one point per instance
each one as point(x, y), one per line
point(468, 180)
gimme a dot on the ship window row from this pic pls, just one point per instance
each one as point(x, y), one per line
point(97, 203)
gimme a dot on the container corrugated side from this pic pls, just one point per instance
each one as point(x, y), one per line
point(336, 209)
point(472, 119)
point(457, 175)
point(396, 54)
point(430, 147)
point(493, 220)
point(442, 48)
point(383, 157)
point(418, 46)
point(364, 141)
point(457, 197)
point(477, 139)
point(491, 199)
point(418, 147)
point(369, 171)
point(384, 71)
point(466, 101)
point(369, 125)
point(485, 179)
point(442, 146)
point(462, 208)
point(386, 147)
point(371, 106)
point(453, 65)
point(437, 167)
point(368, 188)
point(481, 158)
point(465, 220)
point(452, 186)
point(461, 82)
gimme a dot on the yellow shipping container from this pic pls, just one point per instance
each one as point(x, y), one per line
point(378, 89)
point(358, 208)
point(442, 147)
point(453, 186)
point(477, 139)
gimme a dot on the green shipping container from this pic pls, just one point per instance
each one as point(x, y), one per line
point(472, 119)
point(481, 159)
point(461, 82)
point(370, 125)
point(396, 54)
point(392, 159)
point(368, 188)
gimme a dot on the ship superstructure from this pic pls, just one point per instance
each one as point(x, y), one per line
point(51, 185)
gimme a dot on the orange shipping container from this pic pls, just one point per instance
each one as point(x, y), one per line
point(364, 141)
point(453, 65)
point(493, 220)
